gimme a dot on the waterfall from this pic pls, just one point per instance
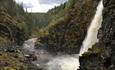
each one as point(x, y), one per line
point(69, 62)
point(92, 32)
point(72, 62)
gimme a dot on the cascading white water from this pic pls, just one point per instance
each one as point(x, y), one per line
point(69, 62)
point(92, 32)
point(42, 55)
point(29, 44)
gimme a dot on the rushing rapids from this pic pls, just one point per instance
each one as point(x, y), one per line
point(67, 62)
point(42, 55)
point(47, 61)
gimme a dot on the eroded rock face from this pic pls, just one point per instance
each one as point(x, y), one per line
point(105, 58)
point(108, 30)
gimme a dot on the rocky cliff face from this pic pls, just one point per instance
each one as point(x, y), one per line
point(67, 34)
point(102, 55)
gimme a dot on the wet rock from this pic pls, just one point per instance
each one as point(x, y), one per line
point(106, 37)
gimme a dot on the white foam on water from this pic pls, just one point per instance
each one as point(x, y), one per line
point(29, 44)
point(64, 62)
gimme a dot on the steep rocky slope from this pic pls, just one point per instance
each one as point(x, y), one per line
point(12, 33)
point(102, 55)
point(68, 31)
point(9, 28)
point(15, 28)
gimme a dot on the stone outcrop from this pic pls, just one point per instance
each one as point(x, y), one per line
point(102, 55)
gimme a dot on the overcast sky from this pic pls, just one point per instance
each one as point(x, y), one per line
point(40, 5)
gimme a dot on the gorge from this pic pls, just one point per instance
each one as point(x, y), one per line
point(69, 62)
point(77, 35)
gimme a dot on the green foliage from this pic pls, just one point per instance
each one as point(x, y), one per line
point(56, 13)
point(15, 11)
point(12, 8)
point(36, 21)
point(11, 28)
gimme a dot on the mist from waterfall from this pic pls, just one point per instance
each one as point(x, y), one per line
point(64, 62)
point(68, 62)
point(92, 32)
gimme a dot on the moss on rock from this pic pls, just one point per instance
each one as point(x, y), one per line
point(12, 61)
